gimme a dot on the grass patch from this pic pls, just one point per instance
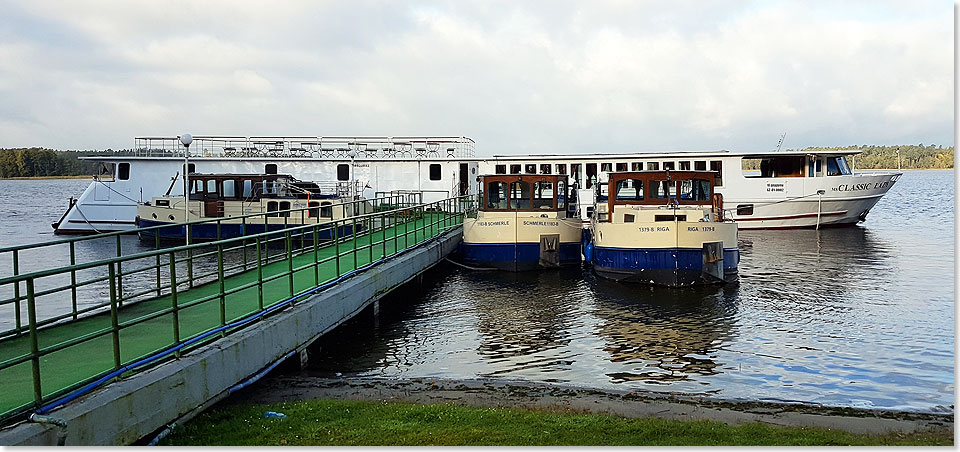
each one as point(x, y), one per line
point(353, 423)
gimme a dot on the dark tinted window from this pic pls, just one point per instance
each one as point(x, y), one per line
point(270, 168)
point(501, 169)
point(123, 171)
point(343, 171)
point(434, 171)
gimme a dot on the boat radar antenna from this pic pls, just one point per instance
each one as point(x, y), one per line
point(780, 143)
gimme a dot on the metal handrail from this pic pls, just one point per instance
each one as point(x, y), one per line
point(437, 217)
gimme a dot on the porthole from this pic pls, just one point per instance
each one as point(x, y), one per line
point(154, 216)
point(171, 218)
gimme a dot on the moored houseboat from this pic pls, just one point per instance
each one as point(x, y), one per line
point(663, 228)
point(245, 204)
point(523, 223)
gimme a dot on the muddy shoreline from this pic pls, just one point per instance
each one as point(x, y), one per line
point(514, 394)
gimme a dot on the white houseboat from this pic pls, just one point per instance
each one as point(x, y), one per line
point(792, 189)
point(662, 228)
point(522, 223)
point(246, 204)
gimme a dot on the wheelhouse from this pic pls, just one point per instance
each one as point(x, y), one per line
point(658, 188)
point(525, 193)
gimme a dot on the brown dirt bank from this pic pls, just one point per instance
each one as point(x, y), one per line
point(498, 393)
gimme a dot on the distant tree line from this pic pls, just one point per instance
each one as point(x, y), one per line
point(37, 162)
point(912, 156)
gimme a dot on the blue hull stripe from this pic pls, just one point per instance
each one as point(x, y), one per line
point(660, 258)
point(510, 255)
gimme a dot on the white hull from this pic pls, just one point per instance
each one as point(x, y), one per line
point(778, 202)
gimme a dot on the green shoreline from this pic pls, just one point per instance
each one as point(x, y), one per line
point(327, 422)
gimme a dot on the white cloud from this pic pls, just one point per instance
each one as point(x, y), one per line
point(518, 77)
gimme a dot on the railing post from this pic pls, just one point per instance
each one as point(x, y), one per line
point(289, 260)
point(173, 300)
point(34, 342)
point(336, 245)
point(353, 234)
point(156, 234)
point(114, 317)
point(396, 231)
point(16, 291)
point(259, 277)
point(243, 233)
point(223, 297)
point(190, 256)
point(119, 275)
point(316, 255)
point(73, 280)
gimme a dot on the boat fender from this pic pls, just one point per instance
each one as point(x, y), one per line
point(588, 252)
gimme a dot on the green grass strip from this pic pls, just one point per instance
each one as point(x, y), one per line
point(352, 423)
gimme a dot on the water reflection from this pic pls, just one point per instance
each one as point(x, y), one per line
point(524, 319)
point(662, 334)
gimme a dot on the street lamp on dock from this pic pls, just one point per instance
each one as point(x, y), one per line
point(185, 140)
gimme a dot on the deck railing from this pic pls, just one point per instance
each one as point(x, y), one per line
point(369, 147)
point(45, 362)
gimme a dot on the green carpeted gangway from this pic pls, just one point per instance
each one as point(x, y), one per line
point(45, 362)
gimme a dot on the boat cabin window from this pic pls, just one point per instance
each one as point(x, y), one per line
point(123, 171)
point(247, 188)
point(699, 165)
point(636, 166)
point(272, 207)
point(211, 187)
point(607, 167)
point(695, 190)
point(326, 209)
point(669, 218)
point(653, 166)
point(661, 189)
point(685, 165)
point(544, 168)
point(530, 168)
point(622, 166)
point(836, 166)
point(229, 188)
point(501, 169)
point(314, 211)
point(497, 195)
point(561, 168)
point(343, 171)
point(591, 174)
point(562, 195)
point(744, 209)
point(669, 166)
point(191, 167)
point(629, 190)
point(434, 171)
point(285, 205)
point(270, 168)
point(602, 192)
point(543, 195)
point(575, 171)
point(520, 195)
point(514, 169)
point(717, 165)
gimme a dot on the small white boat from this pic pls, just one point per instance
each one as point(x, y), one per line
point(663, 228)
point(524, 222)
point(247, 204)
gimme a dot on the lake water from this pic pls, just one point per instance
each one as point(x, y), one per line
point(859, 316)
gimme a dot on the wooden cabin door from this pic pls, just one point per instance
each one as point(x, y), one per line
point(213, 208)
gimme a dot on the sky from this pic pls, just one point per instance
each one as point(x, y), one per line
point(518, 77)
